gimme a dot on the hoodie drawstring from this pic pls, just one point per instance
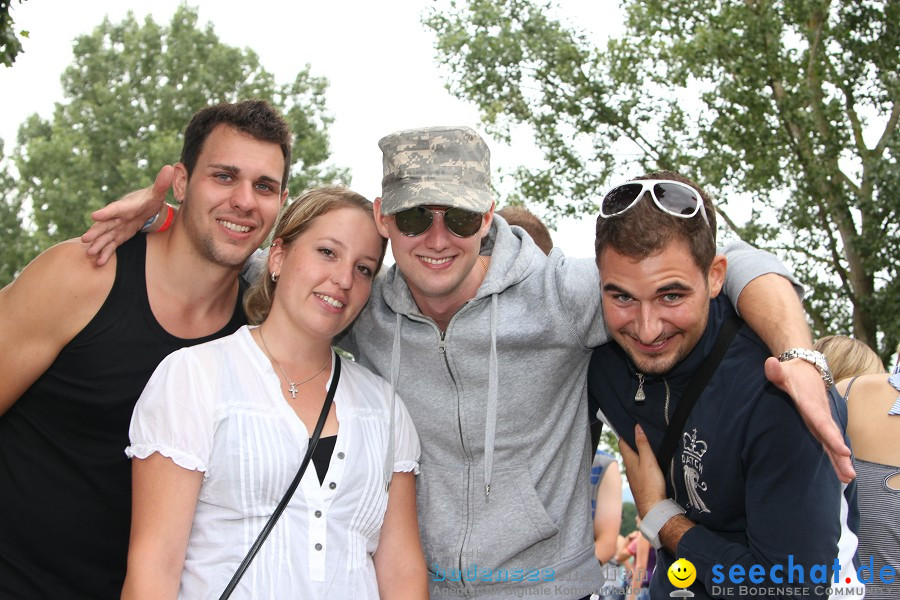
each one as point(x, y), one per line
point(490, 425)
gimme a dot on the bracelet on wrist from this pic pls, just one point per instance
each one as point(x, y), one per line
point(149, 223)
point(656, 518)
point(170, 216)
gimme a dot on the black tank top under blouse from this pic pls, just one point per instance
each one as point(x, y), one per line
point(322, 456)
point(65, 482)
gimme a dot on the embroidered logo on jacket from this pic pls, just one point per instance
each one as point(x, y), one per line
point(692, 461)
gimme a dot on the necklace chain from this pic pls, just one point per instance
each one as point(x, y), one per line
point(292, 385)
point(483, 263)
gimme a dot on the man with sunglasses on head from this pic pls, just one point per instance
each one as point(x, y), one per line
point(744, 485)
point(488, 340)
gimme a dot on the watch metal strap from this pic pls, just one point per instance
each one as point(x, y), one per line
point(813, 357)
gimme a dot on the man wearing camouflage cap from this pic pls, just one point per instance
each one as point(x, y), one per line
point(488, 342)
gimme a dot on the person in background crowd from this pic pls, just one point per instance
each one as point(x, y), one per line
point(519, 216)
point(848, 357)
point(638, 560)
point(873, 404)
point(642, 566)
point(606, 510)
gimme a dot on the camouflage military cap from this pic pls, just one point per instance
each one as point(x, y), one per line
point(445, 166)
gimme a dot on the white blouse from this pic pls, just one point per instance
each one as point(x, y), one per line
point(218, 408)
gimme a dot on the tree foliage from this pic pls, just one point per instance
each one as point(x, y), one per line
point(789, 104)
point(129, 93)
point(629, 512)
point(16, 245)
point(10, 44)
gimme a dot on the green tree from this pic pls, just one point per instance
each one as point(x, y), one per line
point(10, 44)
point(790, 104)
point(129, 93)
point(629, 512)
point(15, 239)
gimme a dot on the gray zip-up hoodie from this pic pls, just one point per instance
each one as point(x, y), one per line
point(499, 402)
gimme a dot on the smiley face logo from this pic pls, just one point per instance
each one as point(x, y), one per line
point(682, 573)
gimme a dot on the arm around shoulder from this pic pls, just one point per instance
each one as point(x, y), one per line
point(768, 300)
point(575, 284)
point(746, 264)
point(46, 306)
point(118, 222)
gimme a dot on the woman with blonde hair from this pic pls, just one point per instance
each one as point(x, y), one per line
point(848, 357)
point(873, 407)
point(222, 428)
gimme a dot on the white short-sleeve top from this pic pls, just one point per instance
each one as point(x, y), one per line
point(218, 408)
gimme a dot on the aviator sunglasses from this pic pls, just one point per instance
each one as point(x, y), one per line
point(417, 220)
point(672, 197)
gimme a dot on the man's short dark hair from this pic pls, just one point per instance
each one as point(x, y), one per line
point(644, 229)
point(524, 218)
point(256, 118)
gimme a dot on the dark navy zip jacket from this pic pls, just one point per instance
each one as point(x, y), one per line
point(747, 470)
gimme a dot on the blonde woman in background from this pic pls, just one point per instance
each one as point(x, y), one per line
point(848, 357)
point(873, 406)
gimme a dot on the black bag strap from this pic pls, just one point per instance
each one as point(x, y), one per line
point(693, 390)
point(326, 408)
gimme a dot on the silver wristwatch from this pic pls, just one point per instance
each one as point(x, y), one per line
point(656, 517)
point(816, 359)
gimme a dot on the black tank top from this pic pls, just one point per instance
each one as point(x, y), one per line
point(65, 482)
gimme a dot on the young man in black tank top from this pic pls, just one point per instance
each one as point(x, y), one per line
point(81, 342)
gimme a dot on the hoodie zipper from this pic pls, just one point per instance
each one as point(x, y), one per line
point(442, 350)
point(672, 460)
point(639, 398)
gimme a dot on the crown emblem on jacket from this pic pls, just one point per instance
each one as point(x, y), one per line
point(692, 446)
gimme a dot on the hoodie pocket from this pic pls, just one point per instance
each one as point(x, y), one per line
point(510, 529)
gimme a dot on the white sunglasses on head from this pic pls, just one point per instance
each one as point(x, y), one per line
point(672, 197)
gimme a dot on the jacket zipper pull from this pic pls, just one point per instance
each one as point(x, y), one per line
point(441, 345)
point(640, 396)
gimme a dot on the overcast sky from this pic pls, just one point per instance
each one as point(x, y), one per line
point(377, 56)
